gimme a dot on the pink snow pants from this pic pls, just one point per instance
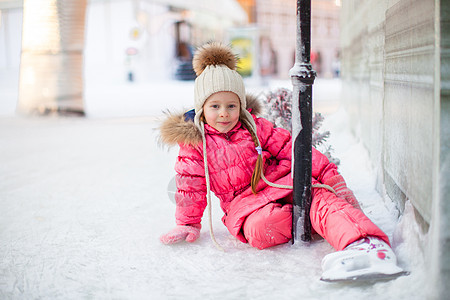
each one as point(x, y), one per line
point(269, 226)
point(333, 218)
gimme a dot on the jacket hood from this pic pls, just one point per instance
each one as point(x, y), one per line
point(179, 128)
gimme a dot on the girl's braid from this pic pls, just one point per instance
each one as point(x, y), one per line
point(256, 176)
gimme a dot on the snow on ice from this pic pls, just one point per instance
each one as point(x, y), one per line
point(84, 200)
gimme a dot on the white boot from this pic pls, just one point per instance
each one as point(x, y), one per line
point(366, 259)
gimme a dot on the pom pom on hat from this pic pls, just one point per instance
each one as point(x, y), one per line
point(214, 54)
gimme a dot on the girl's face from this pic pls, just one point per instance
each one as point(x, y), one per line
point(221, 111)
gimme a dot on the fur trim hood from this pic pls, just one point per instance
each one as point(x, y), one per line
point(179, 128)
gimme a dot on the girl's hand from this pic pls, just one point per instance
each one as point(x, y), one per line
point(342, 191)
point(188, 233)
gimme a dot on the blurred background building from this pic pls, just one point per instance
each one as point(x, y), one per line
point(276, 22)
point(147, 39)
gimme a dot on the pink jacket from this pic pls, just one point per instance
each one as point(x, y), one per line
point(231, 159)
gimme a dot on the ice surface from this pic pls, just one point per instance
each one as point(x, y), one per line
point(83, 202)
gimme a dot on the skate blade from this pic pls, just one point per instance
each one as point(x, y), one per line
point(367, 277)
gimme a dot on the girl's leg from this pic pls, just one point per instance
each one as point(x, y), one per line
point(339, 222)
point(269, 226)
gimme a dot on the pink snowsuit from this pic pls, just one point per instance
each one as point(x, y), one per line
point(264, 219)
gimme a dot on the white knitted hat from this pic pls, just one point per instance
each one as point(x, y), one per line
point(215, 66)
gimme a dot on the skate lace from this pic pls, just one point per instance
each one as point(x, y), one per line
point(367, 244)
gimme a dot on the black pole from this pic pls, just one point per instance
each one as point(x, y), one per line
point(302, 76)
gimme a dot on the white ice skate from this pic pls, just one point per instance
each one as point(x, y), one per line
point(369, 258)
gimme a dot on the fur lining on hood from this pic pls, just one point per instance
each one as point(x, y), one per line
point(176, 129)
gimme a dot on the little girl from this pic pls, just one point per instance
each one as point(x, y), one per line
point(226, 149)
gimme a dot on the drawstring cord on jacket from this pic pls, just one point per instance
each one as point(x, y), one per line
point(283, 186)
point(208, 191)
point(208, 185)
